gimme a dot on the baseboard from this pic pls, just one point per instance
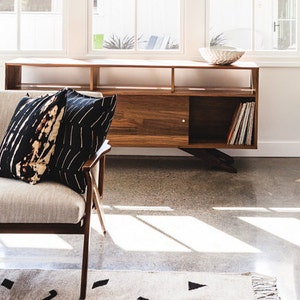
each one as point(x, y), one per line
point(265, 149)
point(269, 149)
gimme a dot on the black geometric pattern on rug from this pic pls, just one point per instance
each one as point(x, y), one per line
point(105, 282)
point(7, 283)
point(100, 283)
point(191, 286)
point(194, 285)
point(264, 287)
point(53, 294)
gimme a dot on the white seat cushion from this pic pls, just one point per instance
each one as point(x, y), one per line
point(45, 202)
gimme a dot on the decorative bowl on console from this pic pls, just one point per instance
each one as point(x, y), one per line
point(221, 55)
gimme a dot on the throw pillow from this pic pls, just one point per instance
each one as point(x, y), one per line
point(83, 130)
point(29, 141)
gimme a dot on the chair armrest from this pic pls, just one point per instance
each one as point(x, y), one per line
point(89, 164)
point(94, 193)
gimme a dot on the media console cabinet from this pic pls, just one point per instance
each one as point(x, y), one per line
point(198, 120)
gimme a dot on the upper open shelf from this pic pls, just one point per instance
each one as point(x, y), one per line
point(14, 69)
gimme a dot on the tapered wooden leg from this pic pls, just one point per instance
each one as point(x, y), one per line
point(84, 269)
point(87, 231)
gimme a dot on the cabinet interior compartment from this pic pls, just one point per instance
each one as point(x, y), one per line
point(211, 118)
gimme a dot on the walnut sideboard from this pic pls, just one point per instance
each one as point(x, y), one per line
point(198, 120)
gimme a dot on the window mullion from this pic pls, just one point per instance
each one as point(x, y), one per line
point(136, 25)
point(253, 26)
point(18, 12)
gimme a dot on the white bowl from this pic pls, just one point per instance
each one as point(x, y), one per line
point(221, 55)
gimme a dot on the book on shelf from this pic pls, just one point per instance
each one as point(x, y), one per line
point(250, 125)
point(240, 132)
point(236, 123)
point(244, 124)
point(233, 123)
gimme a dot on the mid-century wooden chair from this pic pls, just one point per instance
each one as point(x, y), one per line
point(32, 214)
point(62, 201)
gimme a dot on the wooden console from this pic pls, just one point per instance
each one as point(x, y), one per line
point(198, 120)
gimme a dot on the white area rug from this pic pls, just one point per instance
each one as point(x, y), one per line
point(134, 285)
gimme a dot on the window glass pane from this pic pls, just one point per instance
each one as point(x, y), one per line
point(275, 22)
point(158, 24)
point(286, 34)
point(41, 25)
point(146, 25)
point(231, 23)
point(254, 24)
point(113, 24)
point(35, 5)
point(284, 25)
point(6, 5)
point(263, 25)
point(8, 31)
point(8, 25)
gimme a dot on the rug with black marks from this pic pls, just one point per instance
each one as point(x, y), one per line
point(135, 285)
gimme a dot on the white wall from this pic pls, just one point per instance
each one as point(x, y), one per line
point(279, 113)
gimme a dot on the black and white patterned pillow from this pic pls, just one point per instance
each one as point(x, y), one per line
point(83, 130)
point(30, 138)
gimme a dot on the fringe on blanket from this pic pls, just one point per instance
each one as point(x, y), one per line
point(264, 287)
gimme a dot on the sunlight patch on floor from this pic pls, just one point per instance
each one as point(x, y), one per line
point(255, 209)
point(95, 223)
point(198, 235)
point(38, 241)
point(170, 233)
point(132, 234)
point(285, 209)
point(258, 209)
point(285, 228)
point(146, 208)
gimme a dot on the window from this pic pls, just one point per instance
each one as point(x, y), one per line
point(31, 25)
point(148, 28)
point(254, 24)
point(136, 25)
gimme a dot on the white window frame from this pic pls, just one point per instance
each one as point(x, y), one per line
point(77, 41)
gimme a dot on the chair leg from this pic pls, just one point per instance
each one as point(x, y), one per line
point(85, 262)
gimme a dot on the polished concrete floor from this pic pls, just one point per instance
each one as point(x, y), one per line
point(172, 213)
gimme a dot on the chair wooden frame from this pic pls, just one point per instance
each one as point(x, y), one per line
point(94, 196)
